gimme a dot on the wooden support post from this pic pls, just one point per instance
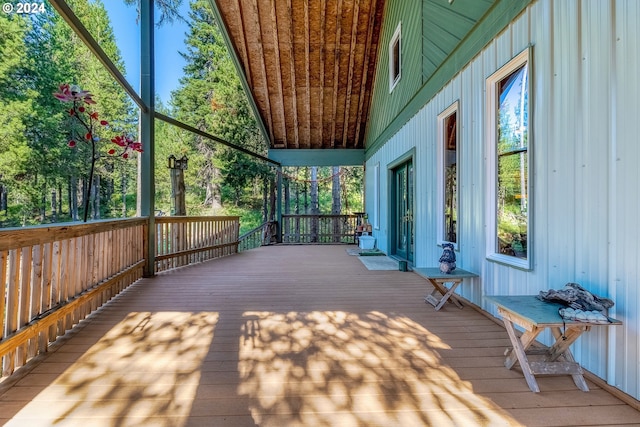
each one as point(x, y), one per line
point(146, 191)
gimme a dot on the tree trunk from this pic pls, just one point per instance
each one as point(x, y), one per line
point(265, 202)
point(272, 200)
point(73, 198)
point(95, 197)
point(85, 198)
point(297, 224)
point(59, 200)
point(178, 192)
point(305, 194)
point(287, 207)
point(54, 207)
point(336, 207)
point(43, 205)
point(123, 194)
point(315, 208)
point(210, 176)
point(3, 198)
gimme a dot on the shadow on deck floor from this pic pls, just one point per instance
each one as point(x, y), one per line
point(289, 336)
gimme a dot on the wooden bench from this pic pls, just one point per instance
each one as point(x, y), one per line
point(534, 316)
point(439, 281)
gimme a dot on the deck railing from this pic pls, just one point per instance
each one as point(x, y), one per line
point(52, 277)
point(184, 240)
point(252, 239)
point(319, 228)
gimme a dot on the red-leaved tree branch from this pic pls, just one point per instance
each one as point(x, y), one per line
point(90, 123)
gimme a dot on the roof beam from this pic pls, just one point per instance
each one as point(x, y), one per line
point(264, 71)
point(310, 157)
point(243, 46)
point(323, 23)
point(307, 61)
point(214, 138)
point(267, 135)
point(336, 70)
point(365, 74)
point(294, 97)
point(276, 46)
point(347, 102)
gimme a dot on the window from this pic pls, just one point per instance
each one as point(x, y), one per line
point(448, 175)
point(508, 143)
point(395, 58)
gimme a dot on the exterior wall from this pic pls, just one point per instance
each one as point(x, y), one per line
point(584, 199)
point(409, 14)
point(443, 31)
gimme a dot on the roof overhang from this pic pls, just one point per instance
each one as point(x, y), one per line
point(308, 69)
point(309, 157)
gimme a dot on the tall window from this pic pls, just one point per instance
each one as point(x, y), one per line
point(508, 132)
point(395, 60)
point(448, 175)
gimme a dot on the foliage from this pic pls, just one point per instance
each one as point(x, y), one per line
point(169, 10)
point(45, 181)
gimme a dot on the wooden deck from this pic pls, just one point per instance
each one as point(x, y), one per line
point(289, 336)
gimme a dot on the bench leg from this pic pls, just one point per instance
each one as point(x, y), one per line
point(440, 288)
point(526, 340)
point(521, 356)
point(578, 379)
point(447, 296)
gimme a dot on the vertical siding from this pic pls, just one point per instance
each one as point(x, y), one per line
point(444, 25)
point(624, 202)
point(585, 174)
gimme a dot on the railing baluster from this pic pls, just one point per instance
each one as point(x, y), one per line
point(54, 276)
point(188, 240)
point(319, 228)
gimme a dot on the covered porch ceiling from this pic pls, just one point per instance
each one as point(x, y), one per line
point(308, 65)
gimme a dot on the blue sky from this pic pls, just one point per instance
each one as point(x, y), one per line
point(169, 41)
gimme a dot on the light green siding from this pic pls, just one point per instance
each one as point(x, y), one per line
point(409, 13)
point(450, 35)
point(444, 26)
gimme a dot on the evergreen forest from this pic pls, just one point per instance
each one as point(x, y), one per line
point(45, 167)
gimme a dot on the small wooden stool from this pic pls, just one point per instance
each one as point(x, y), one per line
point(439, 281)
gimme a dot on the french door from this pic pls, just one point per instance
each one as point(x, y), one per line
point(402, 217)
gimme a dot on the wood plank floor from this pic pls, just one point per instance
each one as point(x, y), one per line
point(290, 336)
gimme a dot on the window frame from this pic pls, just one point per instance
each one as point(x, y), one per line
point(442, 117)
point(396, 38)
point(492, 104)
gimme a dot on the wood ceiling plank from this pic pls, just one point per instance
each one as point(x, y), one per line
point(243, 46)
point(309, 68)
point(352, 55)
point(365, 64)
point(278, 71)
point(323, 22)
point(292, 64)
point(307, 40)
point(255, 14)
point(336, 71)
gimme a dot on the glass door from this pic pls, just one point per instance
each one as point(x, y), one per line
point(403, 211)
